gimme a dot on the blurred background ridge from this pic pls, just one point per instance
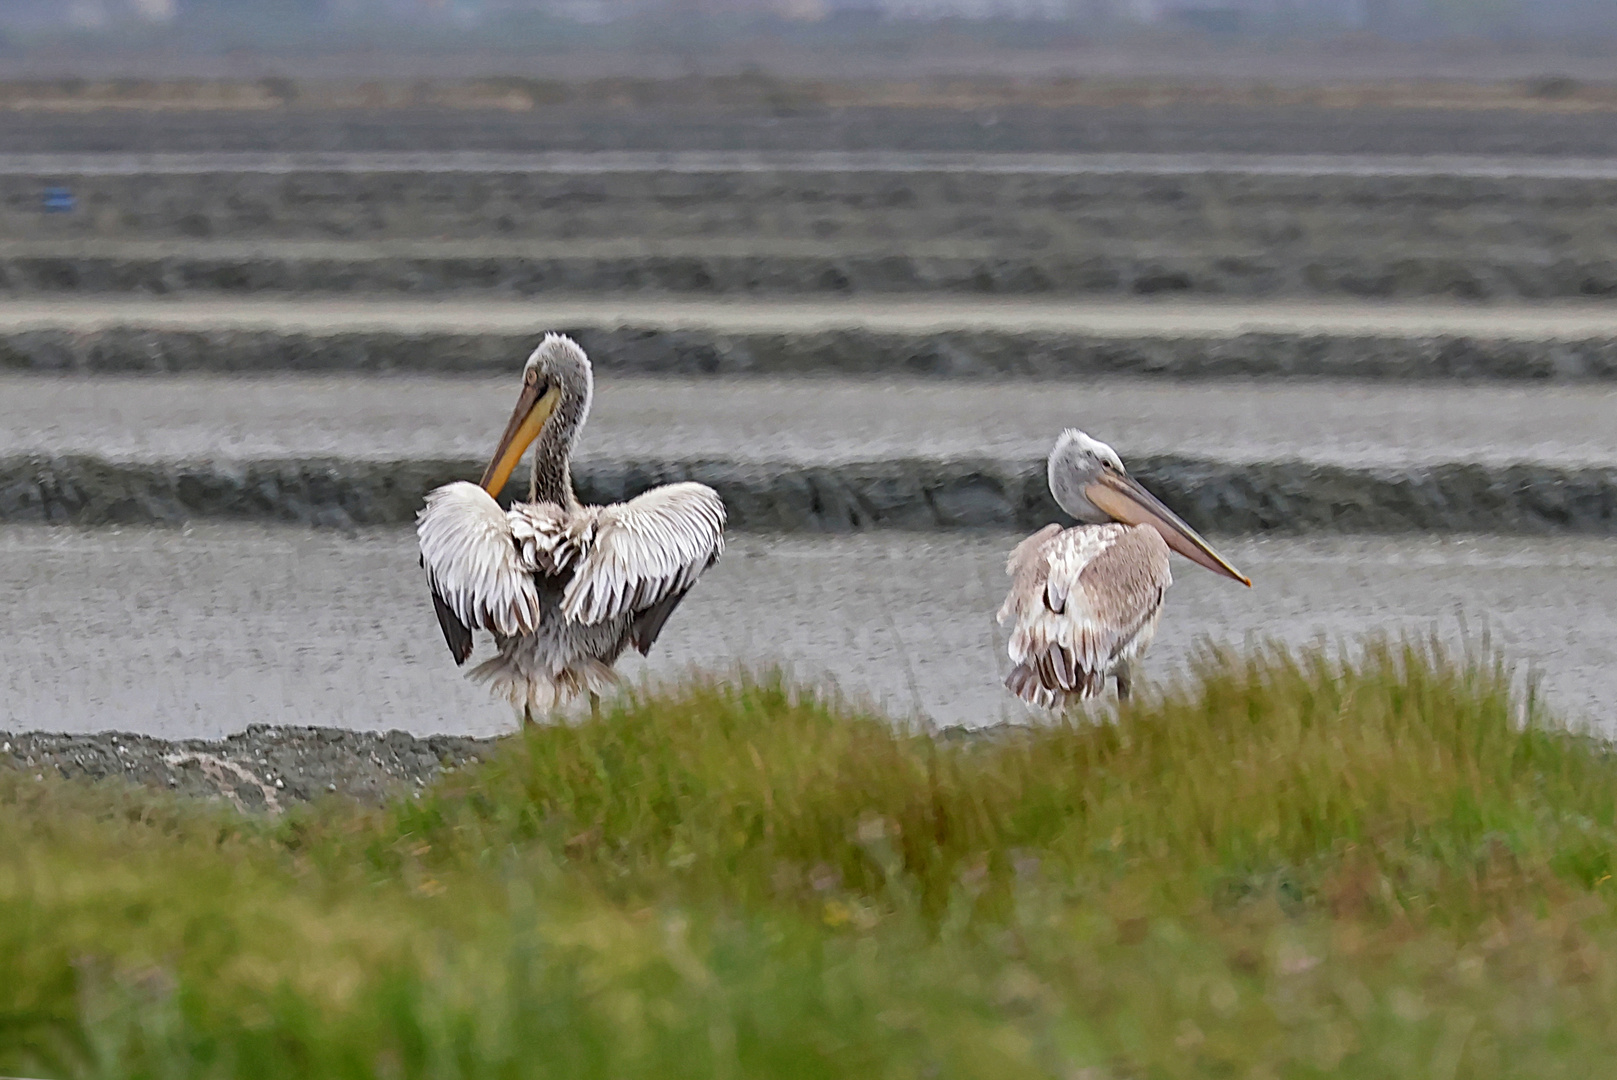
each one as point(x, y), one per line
point(1335, 276)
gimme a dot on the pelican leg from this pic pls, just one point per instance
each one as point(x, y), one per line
point(1125, 680)
point(595, 706)
point(527, 716)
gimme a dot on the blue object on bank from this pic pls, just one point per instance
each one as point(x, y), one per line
point(59, 200)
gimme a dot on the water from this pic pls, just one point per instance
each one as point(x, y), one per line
point(203, 632)
point(814, 421)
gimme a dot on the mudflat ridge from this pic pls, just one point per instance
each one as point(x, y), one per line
point(827, 223)
point(1357, 268)
point(1003, 128)
point(787, 163)
point(962, 337)
point(823, 455)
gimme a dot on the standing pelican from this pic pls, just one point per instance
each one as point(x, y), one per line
point(1084, 601)
point(564, 587)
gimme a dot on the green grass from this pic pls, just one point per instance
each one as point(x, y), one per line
point(1287, 867)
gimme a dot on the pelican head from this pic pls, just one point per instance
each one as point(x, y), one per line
point(1089, 482)
point(557, 386)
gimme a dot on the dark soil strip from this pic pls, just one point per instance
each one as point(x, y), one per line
point(1000, 128)
point(261, 769)
point(1223, 497)
point(845, 352)
point(1464, 275)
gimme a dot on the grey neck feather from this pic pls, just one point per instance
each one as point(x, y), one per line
point(552, 480)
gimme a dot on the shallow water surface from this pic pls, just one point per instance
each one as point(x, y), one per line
point(201, 632)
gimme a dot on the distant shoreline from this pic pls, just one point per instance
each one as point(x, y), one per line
point(1545, 92)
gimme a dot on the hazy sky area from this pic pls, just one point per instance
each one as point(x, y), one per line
point(604, 21)
point(1270, 41)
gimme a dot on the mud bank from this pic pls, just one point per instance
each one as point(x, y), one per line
point(260, 769)
point(1379, 273)
point(848, 351)
point(1224, 497)
point(997, 129)
point(816, 224)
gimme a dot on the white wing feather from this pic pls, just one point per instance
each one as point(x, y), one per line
point(643, 551)
point(472, 561)
point(1044, 620)
point(1069, 631)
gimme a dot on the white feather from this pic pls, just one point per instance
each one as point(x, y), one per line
point(1069, 637)
point(641, 551)
point(472, 560)
point(565, 588)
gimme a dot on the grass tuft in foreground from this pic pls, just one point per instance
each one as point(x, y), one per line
point(1287, 867)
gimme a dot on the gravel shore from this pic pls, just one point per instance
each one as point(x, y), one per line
point(260, 769)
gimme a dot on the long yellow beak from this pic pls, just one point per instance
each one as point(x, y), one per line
point(1121, 496)
point(537, 401)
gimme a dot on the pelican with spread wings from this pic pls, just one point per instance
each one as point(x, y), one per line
point(1084, 601)
point(565, 588)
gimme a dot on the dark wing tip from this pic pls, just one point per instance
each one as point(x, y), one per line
point(649, 623)
point(456, 633)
